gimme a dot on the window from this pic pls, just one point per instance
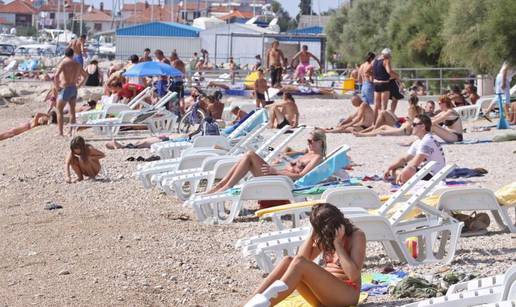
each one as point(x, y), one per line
point(70, 15)
point(52, 15)
point(97, 27)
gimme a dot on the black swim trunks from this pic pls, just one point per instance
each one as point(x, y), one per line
point(276, 73)
point(260, 96)
point(178, 87)
point(381, 87)
point(283, 124)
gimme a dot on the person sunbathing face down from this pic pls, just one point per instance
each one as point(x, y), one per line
point(252, 162)
point(342, 247)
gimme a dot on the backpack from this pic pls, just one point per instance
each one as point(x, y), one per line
point(210, 127)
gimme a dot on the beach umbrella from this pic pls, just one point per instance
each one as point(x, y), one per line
point(149, 69)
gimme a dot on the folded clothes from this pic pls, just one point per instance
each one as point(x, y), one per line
point(467, 172)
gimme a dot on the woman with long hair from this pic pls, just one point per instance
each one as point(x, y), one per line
point(251, 162)
point(447, 124)
point(84, 159)
point(338, 281)
point(39, 119)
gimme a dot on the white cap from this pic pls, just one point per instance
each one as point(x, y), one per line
point(386, 51)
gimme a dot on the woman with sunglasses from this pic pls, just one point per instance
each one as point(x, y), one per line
point(447, 124)
point(252, 162)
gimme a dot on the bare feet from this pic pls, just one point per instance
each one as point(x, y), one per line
point(113, 145)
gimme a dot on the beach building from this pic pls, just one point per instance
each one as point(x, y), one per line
point(54, 16)
point(167, 36)
point(313, 37)
point(18, 13)
point(96, 21)
point(241, 41)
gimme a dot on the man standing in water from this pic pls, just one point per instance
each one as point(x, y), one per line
point(77, 46)
point(275, 62)
point(68, 77)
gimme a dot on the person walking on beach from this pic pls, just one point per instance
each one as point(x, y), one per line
point(84, 159)
point(383, 74)
point(365, 77)
point(304, 67)
point(68, 77)
point(275, 62)
point(502, 91)
point(260, 87)
point(77, 46)
point(177, 85)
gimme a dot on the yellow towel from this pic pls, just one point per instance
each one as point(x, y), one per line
point(506, 195)
point(262, 212)
point(296, 300)
point(251, 78)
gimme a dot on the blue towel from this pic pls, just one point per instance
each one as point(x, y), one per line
point(324, 170)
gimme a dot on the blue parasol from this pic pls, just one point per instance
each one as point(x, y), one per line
point(148, 69)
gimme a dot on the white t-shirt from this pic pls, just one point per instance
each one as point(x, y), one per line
point(431, 149)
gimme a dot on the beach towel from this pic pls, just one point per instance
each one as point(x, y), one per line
point(296, 300)
point(467, 142)
point(378, 284)
point(507, 137)
point(467, 172)
point(324, 170)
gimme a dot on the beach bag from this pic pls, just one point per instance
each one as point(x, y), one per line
point(506, 195)
point(473, 223)
point(210, 127)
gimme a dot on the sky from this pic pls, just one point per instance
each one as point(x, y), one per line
point(292, 6)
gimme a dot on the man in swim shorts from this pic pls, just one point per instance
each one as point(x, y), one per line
point(304, 66)
point(68, 77)
point(77, 46)
point(360, 120)
point(275, 62)
point(365, 76)
point(284, 113)
point(260, 87)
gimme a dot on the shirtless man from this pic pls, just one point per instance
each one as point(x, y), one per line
point(68, 77)
point(260, 87)
point(365, 77)
point(146, 56)
point(362, 119)
point(178, 84)
point(284, 113)
point(275, 62)
point(77, 46)
point(215, 108)
point(304, 66)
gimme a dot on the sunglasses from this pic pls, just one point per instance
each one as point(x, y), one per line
point(416, 124)
point(310, 141)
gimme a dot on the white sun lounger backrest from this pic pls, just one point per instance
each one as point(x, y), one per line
point(138, 99)
point(414, 200)
point(246, 124)
point(405, 188)
point(164, 100)
point(359, 196)
point(509, 291)
point(264, 147)
point(278, 148)
point(246, 140)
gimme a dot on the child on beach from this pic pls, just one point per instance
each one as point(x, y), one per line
point(260, 87)
point(84, 159)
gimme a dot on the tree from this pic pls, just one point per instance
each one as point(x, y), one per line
point(480, 34)
point(285, 22)
point(414, 29)
point(305, 7)
point(333, 31)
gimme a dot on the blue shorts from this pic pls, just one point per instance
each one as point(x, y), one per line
point(368, 92)
point(68, 93)
point(79, 59)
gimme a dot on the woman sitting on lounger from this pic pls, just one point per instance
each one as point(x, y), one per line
point(404, 129)
point(343, 248)
point(251, 162)
point(38, 120)
point(447, 124)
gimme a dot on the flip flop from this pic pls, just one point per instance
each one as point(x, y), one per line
point(131, 159)
point(153, 158)
point(52, 206)
point(140, 159)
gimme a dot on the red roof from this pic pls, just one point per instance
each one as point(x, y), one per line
point(18, 7)
point(140, 6)
point(238, 14)
point(159, 14)
point(96, 16)
point(70, 7)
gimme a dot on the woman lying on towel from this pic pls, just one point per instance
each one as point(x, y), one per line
point(251, 162)
point(398, 129)
point(337, 282)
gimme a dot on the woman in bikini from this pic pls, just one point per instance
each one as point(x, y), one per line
point(38, 120)
point(447, 124)
point(338, 281)
point(398, 129)
point(84, 159)
point(251, 162)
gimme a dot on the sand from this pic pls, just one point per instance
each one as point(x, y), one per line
point(115, 243)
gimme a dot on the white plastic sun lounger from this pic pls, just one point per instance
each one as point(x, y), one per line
point(495, 296)
point(212, 207)
point(167, 150)
point(470, 199)
point(480, 283)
